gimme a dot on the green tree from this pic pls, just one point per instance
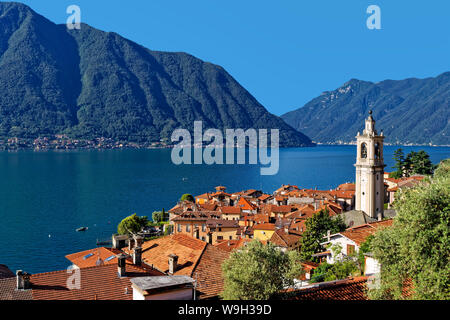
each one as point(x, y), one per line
point(399, 158)
point(157, 216)
point(316, 228)
point(258, 272)
point(187, 197)
point(417, 246)
point(132, 224)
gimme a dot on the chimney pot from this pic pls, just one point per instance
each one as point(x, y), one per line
point(121, 265)
point(22, 280)
point(173, 263)
point(137, 256)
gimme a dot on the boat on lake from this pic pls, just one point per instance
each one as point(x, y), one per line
point(82, 229)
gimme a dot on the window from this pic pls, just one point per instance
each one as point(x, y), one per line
point(350, 249)
point(203, 238)
point(219, 238)
point(363, 151)
point(231, 237)
point(377, 151)
point(203, 227)
point(188, 228)
point(220, 229)
point(179, 227)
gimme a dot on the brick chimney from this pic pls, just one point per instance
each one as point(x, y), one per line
point(137, 256)
point(173, 263)
point(121, 265)
point(130, 243)
point(23, 280)
point(138, 241)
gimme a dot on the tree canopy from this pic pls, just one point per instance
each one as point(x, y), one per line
point(416, 247)
point(413, 163)
point(316, 228)
point(132, 224)
point(257, 272)
point(187, 197)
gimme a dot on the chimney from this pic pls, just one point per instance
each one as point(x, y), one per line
point(286, 229)
point(138, 241)
point(137, 256)
point(173, 263)
point(130, 243)
point(23, 280)
point(121, 265)
point(119, 241)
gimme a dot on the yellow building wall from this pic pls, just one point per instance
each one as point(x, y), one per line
point(262, 235)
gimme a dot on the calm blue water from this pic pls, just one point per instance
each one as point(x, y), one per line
point(53, 193)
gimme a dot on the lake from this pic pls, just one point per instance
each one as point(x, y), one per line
point(45, 196)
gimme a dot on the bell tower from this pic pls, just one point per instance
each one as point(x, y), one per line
point(370, 171)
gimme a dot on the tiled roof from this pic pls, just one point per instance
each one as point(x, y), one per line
point(230, 210)
point(8, 290)
point(208, 206)
point(245, 204)
point(230, 245)
point(281, 209)
point(208, 272)
point(347, 187)
point(283, 239)
point(348, 289)
point(97, 283)
point(90, 258)
point(264, 197)
point(155, 252)
point(360, 233)
point(264, 226)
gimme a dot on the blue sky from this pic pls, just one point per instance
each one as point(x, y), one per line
point(284, 52)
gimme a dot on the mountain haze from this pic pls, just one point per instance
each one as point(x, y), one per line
point(410, 111)
point(88, 83)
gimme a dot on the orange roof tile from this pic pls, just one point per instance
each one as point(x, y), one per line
point(264, 226)
point(155, 252)
point(348, 289)
point(90, 258)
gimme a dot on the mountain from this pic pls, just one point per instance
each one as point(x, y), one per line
point(88, 83)
point(410, 111)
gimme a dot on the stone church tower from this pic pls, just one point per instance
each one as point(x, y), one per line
point(369, 171)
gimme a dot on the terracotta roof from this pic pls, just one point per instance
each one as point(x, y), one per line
point(265, 197)
point(230, 210)
point(90, 258)
point(264, 226)
point(8, 290)
point(360, 233)
point(208, 206)
point(281, 209)
point(347, 187)
point(283, 239)
point(245, 204)
point(208, 272)
point(348, 194)
point(155, 252)
point(348, 289)
point(97, 283)
point(230, 245)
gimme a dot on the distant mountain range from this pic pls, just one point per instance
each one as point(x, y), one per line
point(88, 83)
point(410, 111)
